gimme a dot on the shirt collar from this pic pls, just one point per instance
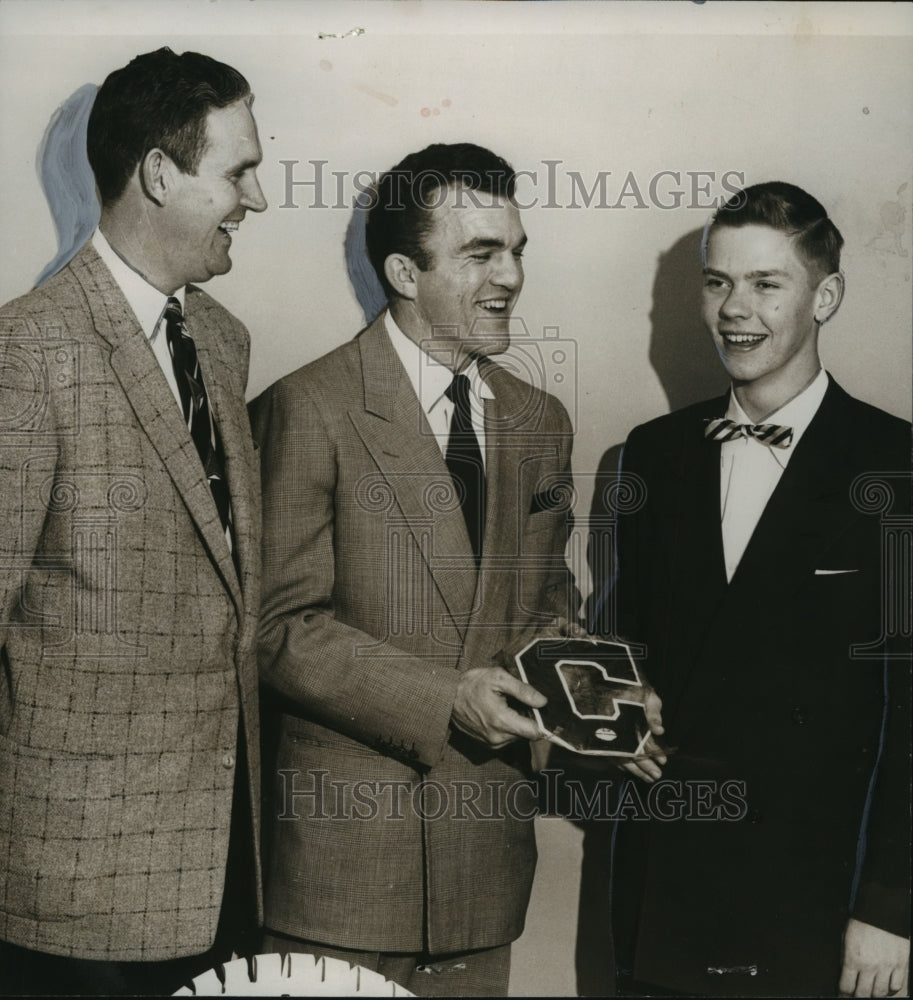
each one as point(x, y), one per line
point(429, 377)
point(797, 413)
point(147, 302)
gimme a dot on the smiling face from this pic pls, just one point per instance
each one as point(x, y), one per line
point(763, 305)
point(463, 302)
point(202, 210)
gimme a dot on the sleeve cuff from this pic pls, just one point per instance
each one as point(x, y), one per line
point(884, 906)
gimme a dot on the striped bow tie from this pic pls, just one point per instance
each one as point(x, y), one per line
point(773, 435)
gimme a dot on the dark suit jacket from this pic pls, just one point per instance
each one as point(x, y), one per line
point(126, 634)
point(372, 605)
point(761, 686)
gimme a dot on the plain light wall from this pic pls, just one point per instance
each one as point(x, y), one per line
point(819, 95)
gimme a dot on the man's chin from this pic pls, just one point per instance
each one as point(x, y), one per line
point(213, 269)
point(488, 347)
point(492, 337)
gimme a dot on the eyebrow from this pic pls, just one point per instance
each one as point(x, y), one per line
point(245, 165)
point(773, 273)
point(488, 243)
point(751, 274)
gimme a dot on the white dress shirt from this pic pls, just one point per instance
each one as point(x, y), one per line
point(147, 303)
point(430, 380)
point(750, 470)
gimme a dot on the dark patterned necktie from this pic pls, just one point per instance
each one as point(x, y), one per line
point(773, 435)
point(195, 405)
point(464, 460)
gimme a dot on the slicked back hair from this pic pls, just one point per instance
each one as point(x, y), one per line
point(159, 100)
point(402, 200)
point(789, 210)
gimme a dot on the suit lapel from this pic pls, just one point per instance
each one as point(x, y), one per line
point(230, 415)
point(394, 430)
point(701, 523)
point(501, 485)
point(696, 569)
point(143, 382)
point(806, 511)
point(503, 523)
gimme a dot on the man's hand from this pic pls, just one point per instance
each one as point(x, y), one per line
point(563, 626)
point(648, 766)
point(876, 963)
point(481, 710)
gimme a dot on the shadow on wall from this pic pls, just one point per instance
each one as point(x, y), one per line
point(69, 187)
point(368, 290)
point(66, 177)
point(681, 352)
point(683, 357)
point(594, 957)
point(600, 553)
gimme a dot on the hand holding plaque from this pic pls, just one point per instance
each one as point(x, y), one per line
point(597, 702)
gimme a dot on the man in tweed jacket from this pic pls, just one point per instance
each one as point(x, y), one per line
point(128, 693)
point(402, 833)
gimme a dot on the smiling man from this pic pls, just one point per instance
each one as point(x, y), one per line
point(412, 531)
point(758, 575)
point(129, 547)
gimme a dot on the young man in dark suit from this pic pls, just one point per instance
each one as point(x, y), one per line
point(759, 575)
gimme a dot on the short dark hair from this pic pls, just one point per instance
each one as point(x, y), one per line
point(158, 100)
point(790, 210)
point(401, 202)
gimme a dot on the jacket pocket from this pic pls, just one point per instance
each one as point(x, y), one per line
point(54, 820)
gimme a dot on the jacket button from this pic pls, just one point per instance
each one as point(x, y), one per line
point(228, 761)
point(799, 716)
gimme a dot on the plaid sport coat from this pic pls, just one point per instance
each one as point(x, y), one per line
point(126, 632)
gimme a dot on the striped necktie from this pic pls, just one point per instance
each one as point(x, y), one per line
point(195, 406)
point(773, 435)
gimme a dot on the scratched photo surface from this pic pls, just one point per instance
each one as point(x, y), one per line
point(629, 125)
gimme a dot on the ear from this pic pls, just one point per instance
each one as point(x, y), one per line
point(400, 272)
point(155, 173)
point(829, 297)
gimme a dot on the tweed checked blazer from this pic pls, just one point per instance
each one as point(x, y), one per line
point(372, 604)
point(126, 634)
